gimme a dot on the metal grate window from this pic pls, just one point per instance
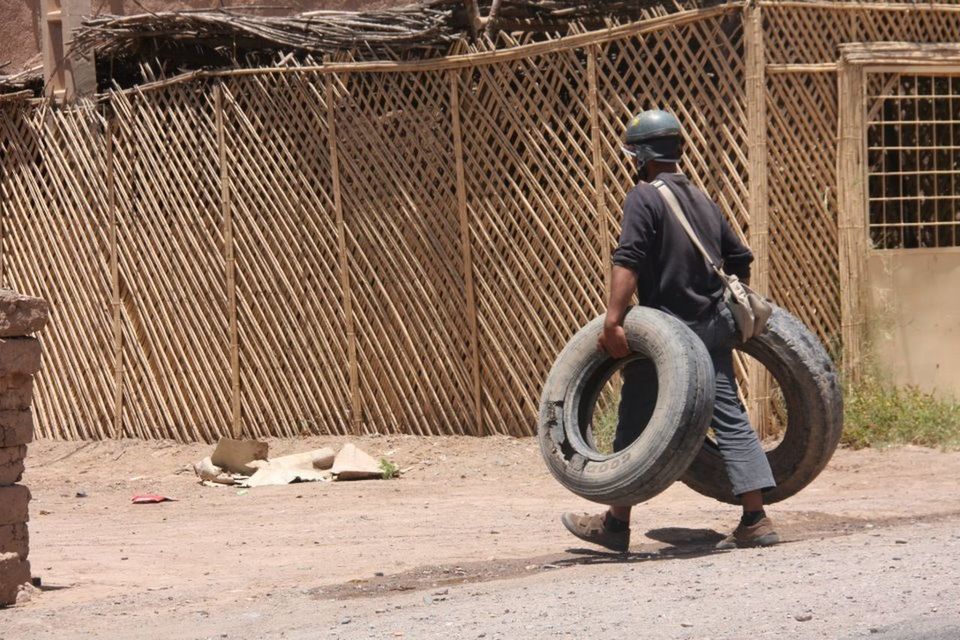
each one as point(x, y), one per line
point(913, 154)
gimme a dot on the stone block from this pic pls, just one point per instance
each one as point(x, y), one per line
point(13, 572)
point(20, 314)
point(16, 428)
point(14, 538)
point(19, 356)
point(14, 504)
point(11, 464)
point(16, 392)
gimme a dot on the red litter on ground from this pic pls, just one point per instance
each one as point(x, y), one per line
point(150, 498)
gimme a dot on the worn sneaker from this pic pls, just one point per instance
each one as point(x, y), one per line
point(592, 529)
point(760, 534)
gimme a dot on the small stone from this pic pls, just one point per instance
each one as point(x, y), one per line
point(686, 624)
point(900, 541)
point(346, 621)
point(81, 494)
point(803, 617)
point(378, 574)
point(441, 592)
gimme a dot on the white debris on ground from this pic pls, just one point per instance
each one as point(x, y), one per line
point(245, 463)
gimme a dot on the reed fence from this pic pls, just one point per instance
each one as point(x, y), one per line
point(404, 247)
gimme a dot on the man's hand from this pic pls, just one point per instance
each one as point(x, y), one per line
point(613, 340)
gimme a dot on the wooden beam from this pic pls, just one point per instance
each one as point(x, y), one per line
point(469, 293)
point(852, 214)
point(759, 381)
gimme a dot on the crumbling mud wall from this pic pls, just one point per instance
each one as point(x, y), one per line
point(20, 316)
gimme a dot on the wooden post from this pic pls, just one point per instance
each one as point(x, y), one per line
point(115, 303)
point(470, 296)
point(231, 266)
point(596, 141)
point(758, 378)
point(852, 215)
point(355, 414)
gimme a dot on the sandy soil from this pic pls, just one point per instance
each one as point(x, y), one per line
point(468, 544)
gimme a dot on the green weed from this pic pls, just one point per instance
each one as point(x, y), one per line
point(389, 469)
point(877, 414)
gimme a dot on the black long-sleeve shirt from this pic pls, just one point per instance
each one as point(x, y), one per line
point(671, 273)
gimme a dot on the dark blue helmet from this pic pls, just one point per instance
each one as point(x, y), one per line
point(654, 135)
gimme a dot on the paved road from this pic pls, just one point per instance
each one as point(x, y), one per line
point(900, 583)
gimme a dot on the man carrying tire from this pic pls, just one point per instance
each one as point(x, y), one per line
point(657, 260)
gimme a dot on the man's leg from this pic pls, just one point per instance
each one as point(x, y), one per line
point(638, 398)
point(743, 455)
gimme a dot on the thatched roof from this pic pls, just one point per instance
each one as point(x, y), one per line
point(22, 85)
point(424, 29)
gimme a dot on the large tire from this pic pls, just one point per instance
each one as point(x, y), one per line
point(674, 433)
point(814, 404)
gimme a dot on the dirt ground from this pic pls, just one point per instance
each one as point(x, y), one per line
point(467, 544)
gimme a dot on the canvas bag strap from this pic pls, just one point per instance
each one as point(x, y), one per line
point(674, 205)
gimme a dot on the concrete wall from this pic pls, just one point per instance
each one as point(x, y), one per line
point(20, 42)
point(914, 317)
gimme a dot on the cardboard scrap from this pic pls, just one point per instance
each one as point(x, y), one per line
point(235, 455)
point(245, 463)
point(273, 475)
point(316, 459)
point(353, 464)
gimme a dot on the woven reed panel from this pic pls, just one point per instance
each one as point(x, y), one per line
point(171, 254)
point(802, 196)
point(811, 35)
point(55, 245)
point(539, 276)
point(292, 334)
point(397, 169)
point(696, 72)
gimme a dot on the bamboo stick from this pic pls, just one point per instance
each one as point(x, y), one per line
point(117, 426)
point(818, 67)
point(231, 265)
point(596, 141)
point(355, 406)
point(470, 300)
